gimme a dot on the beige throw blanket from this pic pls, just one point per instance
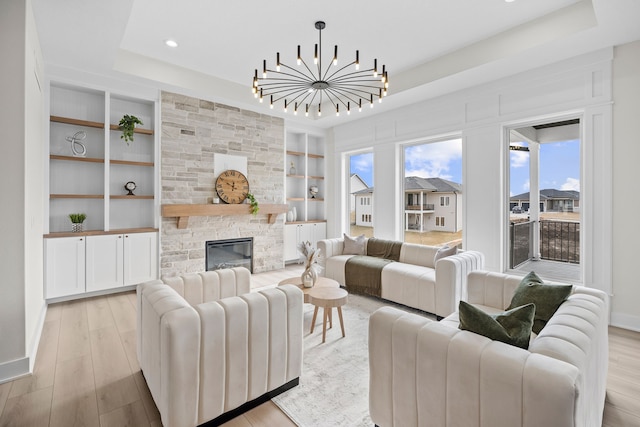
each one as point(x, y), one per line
point(363, 273)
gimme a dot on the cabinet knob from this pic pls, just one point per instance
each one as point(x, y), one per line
point(119, 237)
point(81, 239)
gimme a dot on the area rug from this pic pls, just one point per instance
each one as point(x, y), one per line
point(334, 385)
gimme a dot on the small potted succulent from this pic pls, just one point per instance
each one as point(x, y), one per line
point(76, 221)
point(127, 125)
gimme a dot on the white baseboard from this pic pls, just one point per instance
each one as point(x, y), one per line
point(35, 339)
point(625, 321)
point(14, 369)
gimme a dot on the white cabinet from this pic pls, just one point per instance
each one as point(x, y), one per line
point(140, 257)
point(105, 261)
point(305, 169)
point(296, 233)
point(78, 265)
point(65, 266)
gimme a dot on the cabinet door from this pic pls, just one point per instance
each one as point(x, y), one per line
point(140, 257)
point(305, 233)
point(290, 242)
point(319, 232)
point(104, 262)
point(64, 266)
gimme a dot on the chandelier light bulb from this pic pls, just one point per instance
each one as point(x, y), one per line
point(335, 56)
point(315, 55)
point(285, 105)
point(295, 109)
point(319, 110)
point(360, 105)
point(299, 57)
point(357, 60)
point(348, 108)
point(375, 67)
point(260, 95)
point(306, 112)
point(264, 68)
point(278, 61)
point(337, 110)
point(271, 103)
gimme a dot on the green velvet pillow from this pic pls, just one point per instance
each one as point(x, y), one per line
point(512, 327)
point(546, 297)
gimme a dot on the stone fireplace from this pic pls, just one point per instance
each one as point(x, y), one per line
point(193, 131)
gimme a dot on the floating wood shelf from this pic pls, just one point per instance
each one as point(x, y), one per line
point(78, 122)
point(135, 130)
point(183, 212)
point(76, 159)
point(76, 196)
point(130, 163)
point(125, 196)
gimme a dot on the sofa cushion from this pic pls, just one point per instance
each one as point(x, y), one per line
point(546, 297)
point(353, 246)
point(511, 327)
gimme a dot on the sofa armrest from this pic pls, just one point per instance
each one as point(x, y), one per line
point(169, 352)
point(426, 373)
point(451, 279)
point(329, 248)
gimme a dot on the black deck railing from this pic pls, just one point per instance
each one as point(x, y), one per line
point(521, 242)
point(559, 241)
point(424, 207)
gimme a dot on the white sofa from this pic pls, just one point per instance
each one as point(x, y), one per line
point(432, 373)
point(209, 349)
point(415, 281)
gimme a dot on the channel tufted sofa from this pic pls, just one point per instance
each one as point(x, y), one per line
point(417, 280)
point(210, 349)
point(432, 373)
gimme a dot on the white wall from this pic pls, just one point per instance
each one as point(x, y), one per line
point(626, 204)
point(576, 87)
point(21, 301)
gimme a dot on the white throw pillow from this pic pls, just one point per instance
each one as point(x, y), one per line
point(353, 246)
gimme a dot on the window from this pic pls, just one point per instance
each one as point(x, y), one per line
point(544, 200)
point(433, 174)
point(360, 184)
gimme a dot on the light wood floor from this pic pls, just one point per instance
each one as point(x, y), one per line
point(86, 372)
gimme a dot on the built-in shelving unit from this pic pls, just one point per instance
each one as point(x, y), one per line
point(304, 153)
point(119, 227)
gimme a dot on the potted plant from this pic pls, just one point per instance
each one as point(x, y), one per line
point(127, 125)
point(254, 208)
point(76, 221)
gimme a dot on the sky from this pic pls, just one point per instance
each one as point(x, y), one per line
point(559, 164)
point(559, 167)
point(439, 159)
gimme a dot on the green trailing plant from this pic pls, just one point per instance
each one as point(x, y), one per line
point(253, 204)
point(77, 218)
point(127, 125)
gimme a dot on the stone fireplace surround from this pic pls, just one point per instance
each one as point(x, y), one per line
point(192, 132)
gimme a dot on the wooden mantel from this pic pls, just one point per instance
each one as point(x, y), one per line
point(183, 212)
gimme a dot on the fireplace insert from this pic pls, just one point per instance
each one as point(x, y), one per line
point(229, 253)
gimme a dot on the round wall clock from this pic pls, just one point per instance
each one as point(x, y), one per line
point(232, 186)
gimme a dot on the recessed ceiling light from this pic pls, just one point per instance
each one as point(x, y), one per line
point(509, 1)
point(171, 43)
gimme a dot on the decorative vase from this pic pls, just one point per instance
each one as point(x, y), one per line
point(309, 277)
point(294, 213)
point(76, 227)
point(290, 216)
point(292, 171)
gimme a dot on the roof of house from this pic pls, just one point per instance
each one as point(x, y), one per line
point(355, 175)
point(438, 185)
point(551, 194)
point(413, 183)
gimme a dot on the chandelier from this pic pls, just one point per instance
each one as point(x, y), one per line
point(307, 86)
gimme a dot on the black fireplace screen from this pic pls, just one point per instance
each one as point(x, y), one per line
point(229, 253)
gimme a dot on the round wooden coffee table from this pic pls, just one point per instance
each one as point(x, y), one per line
point(322, 282)
point(327, 298)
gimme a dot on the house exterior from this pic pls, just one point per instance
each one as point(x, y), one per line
point(355, 184)
point(364, 207)
point(551, 200)
point(430, 204)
